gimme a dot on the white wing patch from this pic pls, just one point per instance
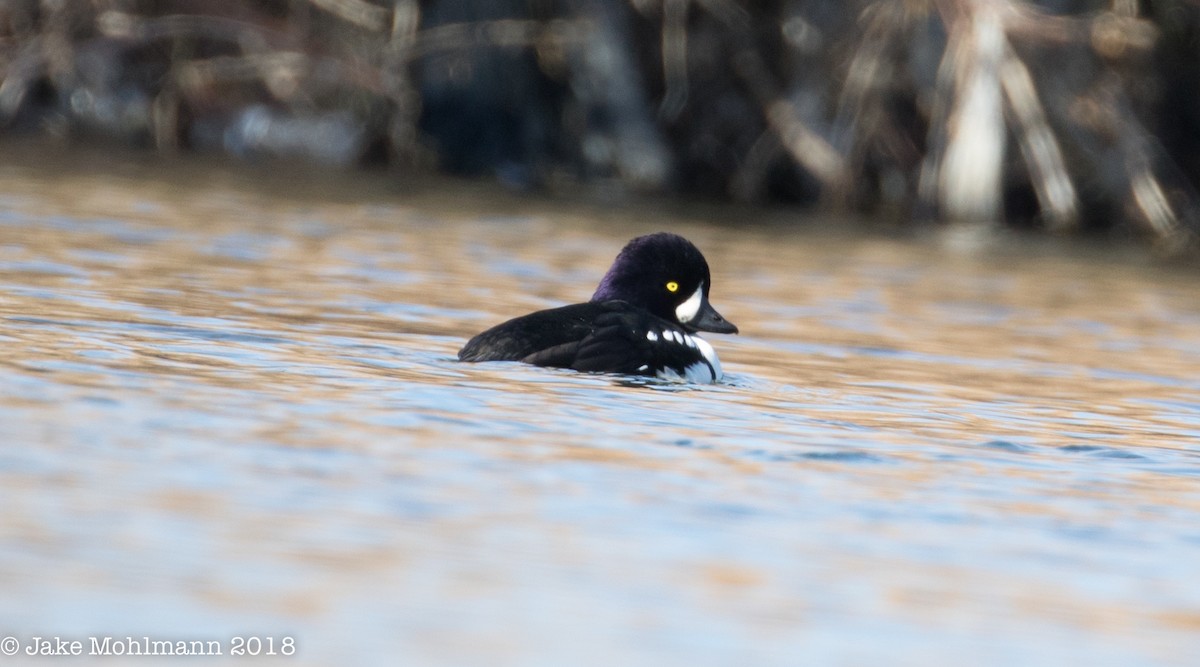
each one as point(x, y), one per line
point(687, 311)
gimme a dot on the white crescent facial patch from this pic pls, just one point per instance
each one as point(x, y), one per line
point(687, 311)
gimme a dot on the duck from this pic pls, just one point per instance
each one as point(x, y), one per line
point(642, 320)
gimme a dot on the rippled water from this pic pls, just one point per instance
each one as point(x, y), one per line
point(233, 410)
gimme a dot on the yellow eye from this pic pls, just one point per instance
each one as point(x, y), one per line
point(672, 286)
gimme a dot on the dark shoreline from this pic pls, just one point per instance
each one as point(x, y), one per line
point(1060, 116)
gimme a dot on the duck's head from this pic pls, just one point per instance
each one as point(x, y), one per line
point(665, 274)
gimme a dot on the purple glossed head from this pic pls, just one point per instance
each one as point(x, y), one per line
point(667, 275)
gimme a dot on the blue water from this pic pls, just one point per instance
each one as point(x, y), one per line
point(219, 423)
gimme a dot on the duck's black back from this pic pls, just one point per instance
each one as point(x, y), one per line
point(520, 337)
point(604, 336)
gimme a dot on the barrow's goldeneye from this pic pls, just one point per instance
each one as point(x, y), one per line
point(642, 320)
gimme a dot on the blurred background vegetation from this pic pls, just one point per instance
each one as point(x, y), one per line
point(1070, 116)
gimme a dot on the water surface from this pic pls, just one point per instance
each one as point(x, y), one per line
point(230, 406)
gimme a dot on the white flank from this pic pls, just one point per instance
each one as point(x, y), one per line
point(711, 355)
point(687, 311)
point(699, 372)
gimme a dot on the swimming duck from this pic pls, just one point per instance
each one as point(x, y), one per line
point(642, 320)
